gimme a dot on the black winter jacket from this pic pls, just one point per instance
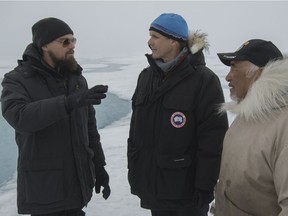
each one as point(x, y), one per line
point(58, 151)
point(176, 134)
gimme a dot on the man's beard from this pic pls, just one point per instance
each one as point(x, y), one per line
point(64, 65)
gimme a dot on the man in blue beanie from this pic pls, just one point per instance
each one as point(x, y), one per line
point(176, 132)
point(47, 101)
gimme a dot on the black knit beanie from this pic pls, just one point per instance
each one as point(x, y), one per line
point(48, 29)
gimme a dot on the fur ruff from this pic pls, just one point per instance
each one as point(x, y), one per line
point(268, 93)
point(197, 41)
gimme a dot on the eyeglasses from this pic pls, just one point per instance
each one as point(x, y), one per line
point(67, 41)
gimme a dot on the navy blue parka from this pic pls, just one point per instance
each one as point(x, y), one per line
point(176, 133)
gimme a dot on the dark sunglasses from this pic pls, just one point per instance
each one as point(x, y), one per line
point(66, 42)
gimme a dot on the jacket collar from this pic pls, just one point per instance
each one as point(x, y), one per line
point(181, 72)
point(169, 66)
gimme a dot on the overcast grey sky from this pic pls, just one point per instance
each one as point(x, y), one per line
point(120, 28)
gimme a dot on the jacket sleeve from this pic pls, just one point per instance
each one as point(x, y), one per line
point(25, 115)
point(130, 144)
point(137, 98)
point(94, 140)
point(211, 128)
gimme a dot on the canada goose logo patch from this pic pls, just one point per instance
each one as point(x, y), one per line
point(178, 119)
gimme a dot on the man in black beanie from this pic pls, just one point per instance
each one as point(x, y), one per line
point(47, 101)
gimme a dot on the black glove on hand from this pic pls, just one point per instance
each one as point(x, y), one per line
point(102, 179)
point(202, 197)
point(87, 97)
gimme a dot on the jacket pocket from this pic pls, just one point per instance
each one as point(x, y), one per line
point(43, 181)
point(133, 170)
point(175, 177)
point(236, 209)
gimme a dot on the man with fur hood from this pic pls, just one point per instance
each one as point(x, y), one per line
point(176, 133)
point(254, 176)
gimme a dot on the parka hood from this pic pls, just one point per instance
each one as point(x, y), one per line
point(197, 41)
point(267, 94)
point(31, 52)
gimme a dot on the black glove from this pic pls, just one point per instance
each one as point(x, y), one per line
point(87, 97)
point(102, 179)
point(202, 197)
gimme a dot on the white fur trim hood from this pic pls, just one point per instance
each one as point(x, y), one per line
point(197, 41)
point(267, 93)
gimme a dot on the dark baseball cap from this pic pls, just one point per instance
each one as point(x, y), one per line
point(257, 51)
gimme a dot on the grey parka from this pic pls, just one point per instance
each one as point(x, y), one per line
point(254, 175)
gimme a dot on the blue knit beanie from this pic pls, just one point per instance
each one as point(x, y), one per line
point(171, 25)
